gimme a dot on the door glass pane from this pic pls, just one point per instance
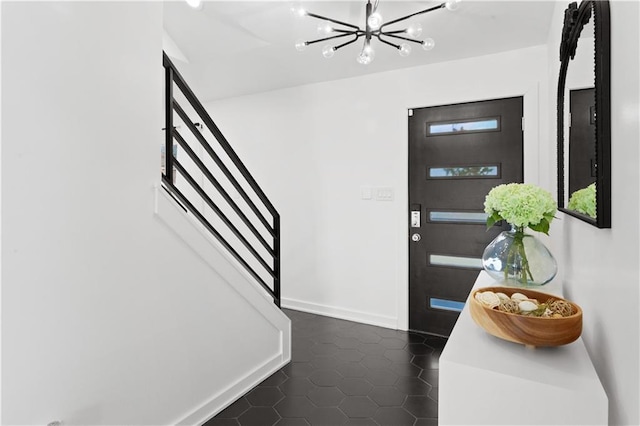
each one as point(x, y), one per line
point(455, 261)
point(446, 305)
point(459, 217)
point(483, 125)
point(464, 171)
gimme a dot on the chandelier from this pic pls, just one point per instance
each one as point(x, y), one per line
point(333, 29)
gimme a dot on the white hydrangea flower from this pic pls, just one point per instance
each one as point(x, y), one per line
point(522, 205)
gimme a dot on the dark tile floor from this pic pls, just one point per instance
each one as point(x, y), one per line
point(345, 373)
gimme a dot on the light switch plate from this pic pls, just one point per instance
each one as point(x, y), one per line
point(384, 193)
point(366, 193)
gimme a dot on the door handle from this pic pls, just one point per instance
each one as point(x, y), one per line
point(416, 237)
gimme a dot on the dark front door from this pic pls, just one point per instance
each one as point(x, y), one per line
point(457, 153)
point(582, 139)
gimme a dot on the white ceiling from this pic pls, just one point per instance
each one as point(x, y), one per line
point(234, 48)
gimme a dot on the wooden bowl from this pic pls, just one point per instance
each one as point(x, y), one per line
point(527, 330)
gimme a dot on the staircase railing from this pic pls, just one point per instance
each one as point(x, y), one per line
point(214, 186)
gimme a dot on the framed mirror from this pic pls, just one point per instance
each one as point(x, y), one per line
point(584, 114)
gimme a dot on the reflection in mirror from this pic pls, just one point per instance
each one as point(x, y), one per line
point(583, 114)
point(579, 106)
point(582, 139)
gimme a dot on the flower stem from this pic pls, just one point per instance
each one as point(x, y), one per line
point(521, 271)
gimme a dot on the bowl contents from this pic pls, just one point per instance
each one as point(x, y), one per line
point(522, 305)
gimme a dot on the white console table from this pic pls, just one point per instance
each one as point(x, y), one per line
point(489, 381)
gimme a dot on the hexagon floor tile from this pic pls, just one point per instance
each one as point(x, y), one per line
point(345, 373)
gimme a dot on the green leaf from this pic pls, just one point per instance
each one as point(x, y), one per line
point(491, 220)
point(543, 226)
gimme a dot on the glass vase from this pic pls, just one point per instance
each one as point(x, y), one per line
point(519, 259)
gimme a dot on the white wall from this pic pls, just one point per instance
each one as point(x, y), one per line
point(107, 316)
point(315, 146)
point(601, 265)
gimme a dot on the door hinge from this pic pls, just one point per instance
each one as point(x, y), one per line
point(569, 120)
point(410, 113)
point(523, 124)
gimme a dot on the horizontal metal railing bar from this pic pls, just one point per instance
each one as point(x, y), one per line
point(215, 233)
point(222, 191)
point(222, 216)
point(185, 118)
point(201, 111)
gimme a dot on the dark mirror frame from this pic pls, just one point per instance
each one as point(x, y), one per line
point(575, 17)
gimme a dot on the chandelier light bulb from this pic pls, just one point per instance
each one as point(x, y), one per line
point(367, 55)
point(364, 59)
point(452, 4)
point(405, 49)
point(301, 45)
point(324, 28)
point(196, 4)
point(428, 44)
point(328, 51)
point(298, 10)
point(368, 50)
point(414, 31)
point(374, 21)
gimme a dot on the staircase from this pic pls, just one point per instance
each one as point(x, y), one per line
point(214, 205)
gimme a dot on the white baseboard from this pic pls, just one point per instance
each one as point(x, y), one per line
point(229, 395)
point(341, 313)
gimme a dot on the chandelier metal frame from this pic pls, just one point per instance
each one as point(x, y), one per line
point(370, 32)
